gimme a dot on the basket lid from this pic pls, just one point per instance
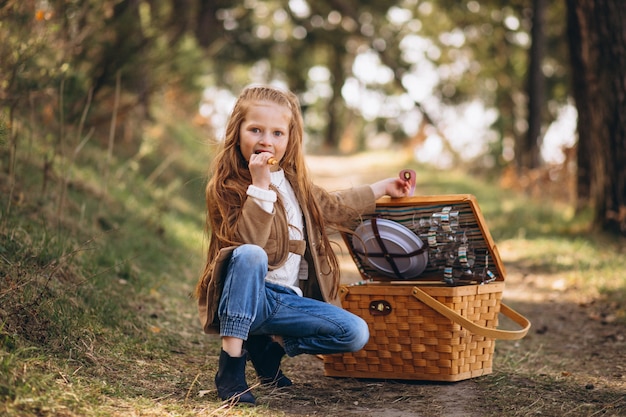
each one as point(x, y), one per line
point(460, 248)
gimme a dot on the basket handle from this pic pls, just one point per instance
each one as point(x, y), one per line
point(473, 327)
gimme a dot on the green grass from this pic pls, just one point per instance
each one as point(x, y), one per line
point(84, 286)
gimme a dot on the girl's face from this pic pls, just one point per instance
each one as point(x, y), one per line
point(265, 128)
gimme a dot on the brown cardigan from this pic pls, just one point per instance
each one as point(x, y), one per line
point(270, 231)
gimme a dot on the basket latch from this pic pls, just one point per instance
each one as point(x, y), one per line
point(380, 308)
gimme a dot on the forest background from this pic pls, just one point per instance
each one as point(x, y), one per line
point(110, 111)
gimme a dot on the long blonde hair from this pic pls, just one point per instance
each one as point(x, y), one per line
point(230, 177)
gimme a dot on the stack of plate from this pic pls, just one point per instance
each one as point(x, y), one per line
point(398, 240)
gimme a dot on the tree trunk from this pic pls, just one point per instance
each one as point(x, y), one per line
point(536, 89)
point(580, 94)
point(336, 104)
point(601, 104)
point(208, 27)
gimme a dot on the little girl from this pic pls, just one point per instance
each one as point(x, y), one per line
point(271, 277)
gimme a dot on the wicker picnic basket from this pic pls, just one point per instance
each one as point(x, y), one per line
point(442, 324)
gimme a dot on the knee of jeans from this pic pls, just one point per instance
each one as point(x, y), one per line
point(252, 255)
point(359, 335)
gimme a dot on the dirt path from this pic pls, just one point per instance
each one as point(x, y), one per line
point(400, 400)
point(573, 345)
point(571, 363)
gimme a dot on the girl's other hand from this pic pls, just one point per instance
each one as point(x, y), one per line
point(393, 187)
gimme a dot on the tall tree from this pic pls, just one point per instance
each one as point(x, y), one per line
point(580, 94)
point(536, 89)
point(598, 49)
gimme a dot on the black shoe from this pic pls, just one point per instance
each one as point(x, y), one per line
point(230, 379)
point(265, 356)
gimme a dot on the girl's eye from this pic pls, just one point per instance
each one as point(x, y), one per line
point(255, 130)
point(278, 133)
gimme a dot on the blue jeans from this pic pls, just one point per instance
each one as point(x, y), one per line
point(251, 306)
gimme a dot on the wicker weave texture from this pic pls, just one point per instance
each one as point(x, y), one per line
point(415, 342)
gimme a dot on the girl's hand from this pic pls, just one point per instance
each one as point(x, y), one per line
point(402, 186)
point(260, 169)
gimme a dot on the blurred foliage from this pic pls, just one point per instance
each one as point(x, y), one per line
point(60, 61)
point(70, 53)
point(400, 71)
point(479, 51)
